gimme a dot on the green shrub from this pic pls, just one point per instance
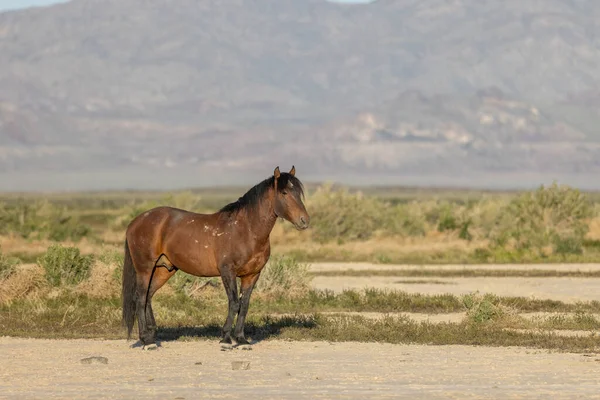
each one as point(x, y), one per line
point(8, 265)
point(65, 265)
point(343, 216)
point(406, 220)
point(447, 221)
point(129, 212)
point(284, 275)
point(61, 227)
point(555, 216)
point(567, 245)
point(20, 218)
point(40, 220)
point(464, 231)
point(484, 308)
point(111, 256)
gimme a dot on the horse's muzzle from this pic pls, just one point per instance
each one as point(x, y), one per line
point(303, 223)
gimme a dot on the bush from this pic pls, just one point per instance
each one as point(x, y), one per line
point(405, 220)
point(65, 265)
point(8, 265)
point(131, 211)
point(113, 257)
point(20, 218)
point(554, 217)
point(484, 308)
point(41, 220)
point(343, 216)
point(61, 227)
point(284, 275)
point(447, 221)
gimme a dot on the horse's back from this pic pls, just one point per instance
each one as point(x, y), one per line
point(157, 217)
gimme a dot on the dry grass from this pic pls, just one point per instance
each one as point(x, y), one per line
point(15, 245)
point(435, 242)
point(594, 229)
point(101, 283)
point(26, 282)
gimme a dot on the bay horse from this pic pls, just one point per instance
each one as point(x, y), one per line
point(231, 243)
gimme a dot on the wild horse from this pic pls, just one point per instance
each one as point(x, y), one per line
point(231, 243)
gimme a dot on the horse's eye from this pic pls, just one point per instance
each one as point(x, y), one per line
point(284, 192)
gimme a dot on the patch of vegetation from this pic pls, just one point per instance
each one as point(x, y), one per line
point(484, 308)
point(192, 286)
point(40, 220)
point(284, 275)
point(343, 216)
point(76, 316)
point(551, 218)
point(8, 265)
point(580, 320)
point(551, 224)
point(65, 265)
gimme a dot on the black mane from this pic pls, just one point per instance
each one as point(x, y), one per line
point(255, 194)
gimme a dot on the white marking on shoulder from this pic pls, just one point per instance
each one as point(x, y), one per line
point(196, 241)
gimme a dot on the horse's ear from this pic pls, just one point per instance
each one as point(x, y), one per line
point(277, 174)
point(293, 171)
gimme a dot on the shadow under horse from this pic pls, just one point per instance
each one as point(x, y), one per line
point(231, 243)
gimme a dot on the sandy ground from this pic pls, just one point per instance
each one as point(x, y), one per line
point(277, 369)
point(33, 368)
point(361, 266)
point(571, 289)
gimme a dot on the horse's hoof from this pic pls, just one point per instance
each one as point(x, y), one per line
point(151, 346)
point(241, 341)
point(226, 340)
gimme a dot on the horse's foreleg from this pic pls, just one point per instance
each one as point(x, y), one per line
point(246, 288)
point(228, 278)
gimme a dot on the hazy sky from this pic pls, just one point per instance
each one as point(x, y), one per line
point(14, 4)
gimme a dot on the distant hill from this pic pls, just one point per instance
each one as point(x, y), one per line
point(164, 93)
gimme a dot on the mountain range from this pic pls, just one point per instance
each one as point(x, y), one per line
point(159, 94)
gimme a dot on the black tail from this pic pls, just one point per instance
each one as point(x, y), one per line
point(128, 293)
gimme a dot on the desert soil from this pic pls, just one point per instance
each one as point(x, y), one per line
point(34, 368)
point(52, 369)
point(570, 290)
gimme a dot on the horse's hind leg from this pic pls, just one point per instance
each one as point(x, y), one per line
point(160, 277)
point(143, 280)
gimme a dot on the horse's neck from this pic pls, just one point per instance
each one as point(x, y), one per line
point(261, 223)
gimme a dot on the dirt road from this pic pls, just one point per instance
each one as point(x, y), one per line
point(199, 369)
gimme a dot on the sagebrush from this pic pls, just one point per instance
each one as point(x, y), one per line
point(65, 265)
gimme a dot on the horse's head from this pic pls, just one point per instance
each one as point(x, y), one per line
point(288, 198)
